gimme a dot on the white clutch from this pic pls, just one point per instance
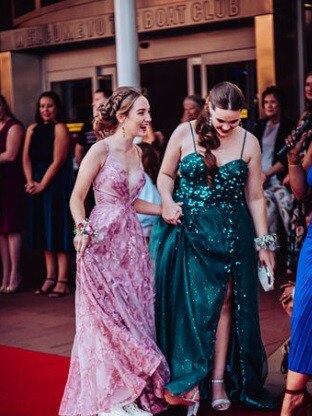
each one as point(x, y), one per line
point(266, 278)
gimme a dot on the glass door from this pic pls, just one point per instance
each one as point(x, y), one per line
point(238, 67)
point(242, 74)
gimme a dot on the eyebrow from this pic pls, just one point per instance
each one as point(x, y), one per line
point(224, 121)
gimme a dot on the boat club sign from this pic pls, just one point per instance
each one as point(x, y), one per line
point(173, 15)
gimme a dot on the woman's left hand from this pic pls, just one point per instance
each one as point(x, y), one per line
point(267, 258)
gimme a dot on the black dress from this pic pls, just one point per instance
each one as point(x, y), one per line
point(12, 194)
point(49, 223)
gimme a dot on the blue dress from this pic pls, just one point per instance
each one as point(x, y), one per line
point(194, 262)
point(300, 354)
point(49, 222)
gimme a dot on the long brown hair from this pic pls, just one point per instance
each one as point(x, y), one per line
point(226, 96)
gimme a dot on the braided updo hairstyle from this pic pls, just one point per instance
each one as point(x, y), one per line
point(226, 96)
point(121, 102)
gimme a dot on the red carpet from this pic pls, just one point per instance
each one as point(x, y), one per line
point(31, 383)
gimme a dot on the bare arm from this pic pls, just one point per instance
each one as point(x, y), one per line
point(147, 208)
point(13, 143)
point(60, 152)
point(297, 170)
point(89, 168)
point(26, 159)
point(276, 168)
point(171, 211)
point(79, 153)
point(255, 198)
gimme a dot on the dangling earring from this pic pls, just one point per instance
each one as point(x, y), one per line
point(240, 123)
point(123, 131)
point(209, 120)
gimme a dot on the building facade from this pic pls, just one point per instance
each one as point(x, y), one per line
point(185, 47)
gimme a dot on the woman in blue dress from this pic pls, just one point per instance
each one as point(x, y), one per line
point(205, 261)
point(300, 355)
point(48, 169)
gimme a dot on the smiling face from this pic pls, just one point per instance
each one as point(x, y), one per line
point(271, 106)
point(47, 109)
point(224, 121)
point(308, 88)
point(138, 119)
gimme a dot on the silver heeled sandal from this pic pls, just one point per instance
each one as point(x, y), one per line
point(225, 403)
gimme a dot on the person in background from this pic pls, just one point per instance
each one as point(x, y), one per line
point(206, 260)
point(301, 209)
point(149, 192)
point(192, 107)
point(116, 367)
point(297, 399)
point(12, 203)
point(87, 136)
point(49, 176)
point(271, 132)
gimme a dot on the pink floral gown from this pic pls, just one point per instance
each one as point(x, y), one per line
point(115, 359)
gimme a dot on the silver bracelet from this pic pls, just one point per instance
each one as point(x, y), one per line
point(267, 242)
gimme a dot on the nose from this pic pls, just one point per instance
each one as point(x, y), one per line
point(226, 127)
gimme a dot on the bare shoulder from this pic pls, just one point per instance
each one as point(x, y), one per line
point(97, 152)
point(180, 133)
point(251, 143)
point(61, 128)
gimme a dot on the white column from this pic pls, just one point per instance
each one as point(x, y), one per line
point(128, 70)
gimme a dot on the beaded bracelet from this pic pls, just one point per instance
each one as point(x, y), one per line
point(267, 242)
point(85, 228)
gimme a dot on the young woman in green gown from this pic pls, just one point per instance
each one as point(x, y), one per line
point(206, 261)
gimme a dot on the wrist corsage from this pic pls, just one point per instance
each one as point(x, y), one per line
point(267, 242)
point(85, 228)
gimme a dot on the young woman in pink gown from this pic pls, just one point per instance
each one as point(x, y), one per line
point(116, 368)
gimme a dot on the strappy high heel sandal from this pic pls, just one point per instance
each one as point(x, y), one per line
point(224, 403)
point(190, 399)
point(60, 294)
point(305, 405)
point(49, 283)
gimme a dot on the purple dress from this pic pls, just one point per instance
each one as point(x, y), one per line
point(115, 359)
point(12, 194)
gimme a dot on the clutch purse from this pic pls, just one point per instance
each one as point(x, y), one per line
point(266, 278)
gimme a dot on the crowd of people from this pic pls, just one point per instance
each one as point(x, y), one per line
point(176, 321)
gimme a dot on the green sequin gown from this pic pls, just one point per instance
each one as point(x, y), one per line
point(193, 264)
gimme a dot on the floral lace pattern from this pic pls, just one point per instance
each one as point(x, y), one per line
point(115, 360)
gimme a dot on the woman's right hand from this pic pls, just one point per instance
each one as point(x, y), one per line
point(172, 212)
point(29, 186)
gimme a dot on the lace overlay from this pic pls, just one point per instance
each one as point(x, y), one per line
point(115, 360)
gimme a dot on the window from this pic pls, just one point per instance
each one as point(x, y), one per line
point(22, 7)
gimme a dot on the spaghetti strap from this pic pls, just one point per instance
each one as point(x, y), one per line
point(241, 156)
point(193, 136)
